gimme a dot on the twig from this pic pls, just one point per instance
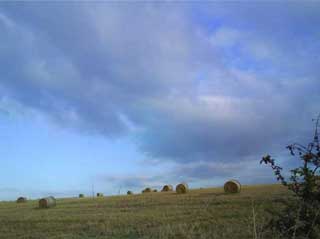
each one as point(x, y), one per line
point(313, 222)
point(254, 221)
point(296, 222)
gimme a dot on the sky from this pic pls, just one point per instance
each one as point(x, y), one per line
point(110, 97)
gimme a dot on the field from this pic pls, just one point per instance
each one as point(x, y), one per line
point(202, 213)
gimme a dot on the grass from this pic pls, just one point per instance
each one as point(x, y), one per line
point(202, 213)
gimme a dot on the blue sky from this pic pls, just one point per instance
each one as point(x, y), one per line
point(127, 95)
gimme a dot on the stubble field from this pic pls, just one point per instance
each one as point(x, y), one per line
point(201, 213)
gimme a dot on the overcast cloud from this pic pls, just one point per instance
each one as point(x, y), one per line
point(212, 87)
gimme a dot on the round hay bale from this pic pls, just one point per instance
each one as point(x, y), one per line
point(232, 186)
point(155, 190)
point(167, 188)
point(21, 200)
point(47, 202)
point(129, 192)
point(81, 195)
point(99, 195)
point(182, 188)
point(147, 190)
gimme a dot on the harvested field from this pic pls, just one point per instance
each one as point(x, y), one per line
point(202, 213)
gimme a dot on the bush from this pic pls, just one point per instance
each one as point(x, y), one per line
point(300, 217)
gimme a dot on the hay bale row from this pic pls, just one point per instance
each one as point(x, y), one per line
point(232, 186)
point(47, 202)
point(180, 188)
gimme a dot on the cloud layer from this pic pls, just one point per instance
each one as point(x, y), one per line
point(193, 84)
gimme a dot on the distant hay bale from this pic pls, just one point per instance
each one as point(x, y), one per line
point(21, 200)
point(47, 202)
point(155, 190)
point(182, 188)
point(99, 195)
point(147, 190)
point(129, 192)
point(167, 188)
point(232, 186)
point(81, 195)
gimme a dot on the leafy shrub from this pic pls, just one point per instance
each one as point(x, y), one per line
point(300, 217)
